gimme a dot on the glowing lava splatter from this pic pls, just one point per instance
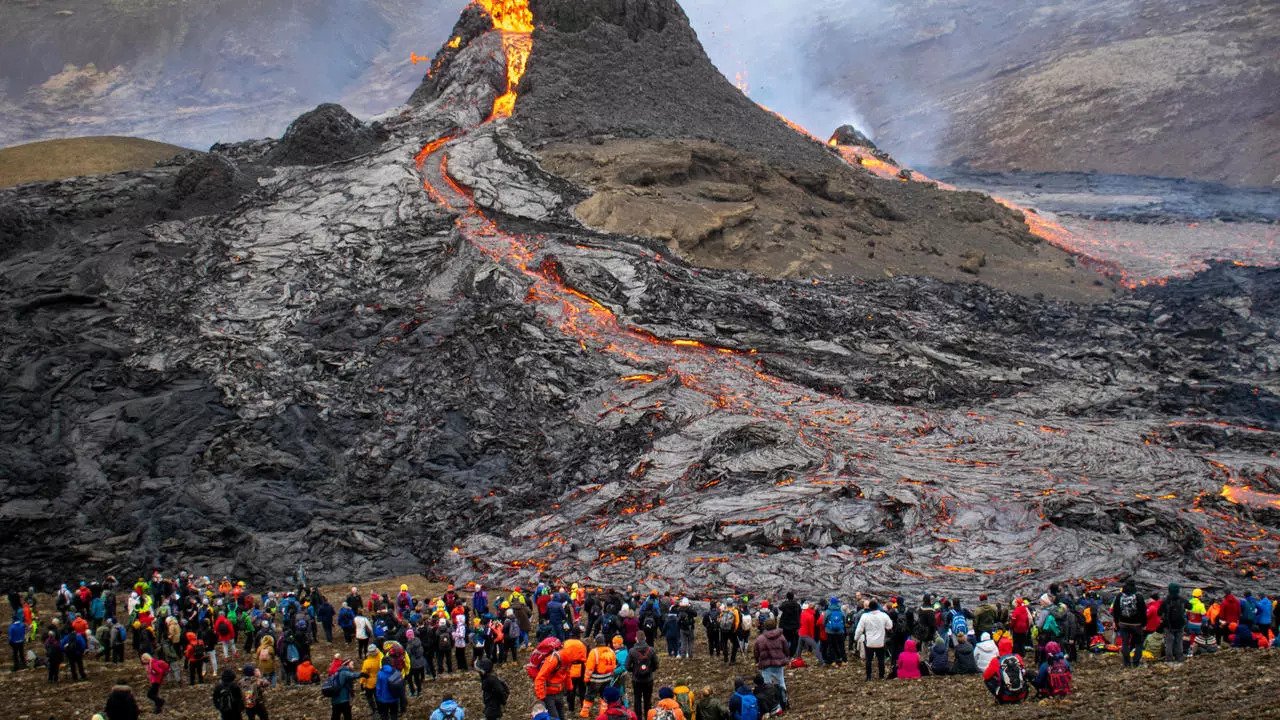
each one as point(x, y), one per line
point(514, 20)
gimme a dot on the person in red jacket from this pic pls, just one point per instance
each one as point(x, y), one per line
point(552, 681)
point(808, 632)
point(1228, 616)
point(195, 654)
point(226, 634)
point(1020, 626)
point(1004, 692)
point(1153, 614)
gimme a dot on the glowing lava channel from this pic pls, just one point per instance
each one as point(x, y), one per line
point(514, 20)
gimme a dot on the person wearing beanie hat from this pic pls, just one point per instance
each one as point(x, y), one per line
point(120, 703)
point(614, 709)
point(667, 707)
point(253, 688)
point(228, 699)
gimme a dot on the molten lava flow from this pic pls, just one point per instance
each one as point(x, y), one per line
point(514, 20)
point(415, 58)
point(1247, 496)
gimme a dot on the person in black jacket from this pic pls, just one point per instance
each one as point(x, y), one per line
point(228, 699)
point(1173, 614)
point(789, 621)
point(121, 705)
point(493, 688)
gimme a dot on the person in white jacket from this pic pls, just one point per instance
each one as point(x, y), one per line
point(985, 651)
point(873, 632)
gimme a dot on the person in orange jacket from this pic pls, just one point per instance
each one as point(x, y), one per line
point(667, 706)
point(552, 681)
point(577, 689)
point(601, 662)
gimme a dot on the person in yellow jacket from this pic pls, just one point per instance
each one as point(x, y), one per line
point(1196, 616)
point(266, 657)
point(369, 677)
point(601, 662)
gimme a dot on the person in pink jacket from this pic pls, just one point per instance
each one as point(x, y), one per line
point(909, 662)
point(156, 671)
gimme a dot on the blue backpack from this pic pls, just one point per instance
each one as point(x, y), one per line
point(959, 626)
point(346, 617)
point(750, 709)
point(835, 621)
point(291, 653)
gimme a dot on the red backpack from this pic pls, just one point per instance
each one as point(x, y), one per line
point(537, 657)
point(1059, 678)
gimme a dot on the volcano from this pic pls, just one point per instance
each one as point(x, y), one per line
point(581, 309)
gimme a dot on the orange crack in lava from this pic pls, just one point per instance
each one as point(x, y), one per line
point(514, 20)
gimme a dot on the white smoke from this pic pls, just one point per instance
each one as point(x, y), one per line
point(771, 45)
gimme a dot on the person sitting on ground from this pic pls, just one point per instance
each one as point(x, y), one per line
point(909, 665)
point(710, 707)
point(449, 710)
point(768, 697)
point(1005, 677)
point(1054, 676)
point(667, 708)
point(940, 657)
point(613, 708)
point(966, 659)
point(121, 704)
point(742, 703)
point(985, 651)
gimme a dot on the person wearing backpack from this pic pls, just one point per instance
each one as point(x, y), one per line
point(551, 681)
point(253, 688)
point(742, 703)
point(730, 621)
point(1173, 615)
point(1130, 616)
point(711, 625)
point(227, 698)
point(667, 707)
point(601, 663)
point(613, 707)
point(1006, 677)
point(449, 709)
point(493, 691)
point(1054, 677)
point(642, 663)
point(388, 691)
point(833, 621)
point(73, 649)
point(1020, 625)
point(343, 684)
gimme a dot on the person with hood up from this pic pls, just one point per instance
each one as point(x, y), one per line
point(873, 633)
point(984, 652)
point(267, 658)
point(772, 654)
point(1130, 617)
point(417, 662)
point(1173, 614)
point(909, 665)
point(492, 689)
point(833, 621)
point(552, 681)
point(613, 707)
point(1006, 677)
point(449, 709)
point(369, 669)
point(667, 707)
point(388, 691)
point(1054, 677)
point(121, 705)
point(966, 659)
point(228, 700)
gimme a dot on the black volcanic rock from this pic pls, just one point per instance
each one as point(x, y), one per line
point(324, 135)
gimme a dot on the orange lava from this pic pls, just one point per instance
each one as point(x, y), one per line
point(1248, 497)
point(514, 20)
point(415, 58)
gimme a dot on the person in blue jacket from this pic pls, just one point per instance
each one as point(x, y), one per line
point(17, 638)
point(449, 710)
point(742, 703)
point(1263, 604)
point(388, 691)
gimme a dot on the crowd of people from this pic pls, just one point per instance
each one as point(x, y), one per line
point(594, 653)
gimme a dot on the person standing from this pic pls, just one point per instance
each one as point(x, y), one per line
point(17, 643)
point(771, 653)
point(228, 700)
point(493, 690)
point(1130, 617)
point(789, 623)
point(833, 621)
point(156, 669)
point(642, 663)
point(873, 632)
point(253, 687)
point(1173, 613)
